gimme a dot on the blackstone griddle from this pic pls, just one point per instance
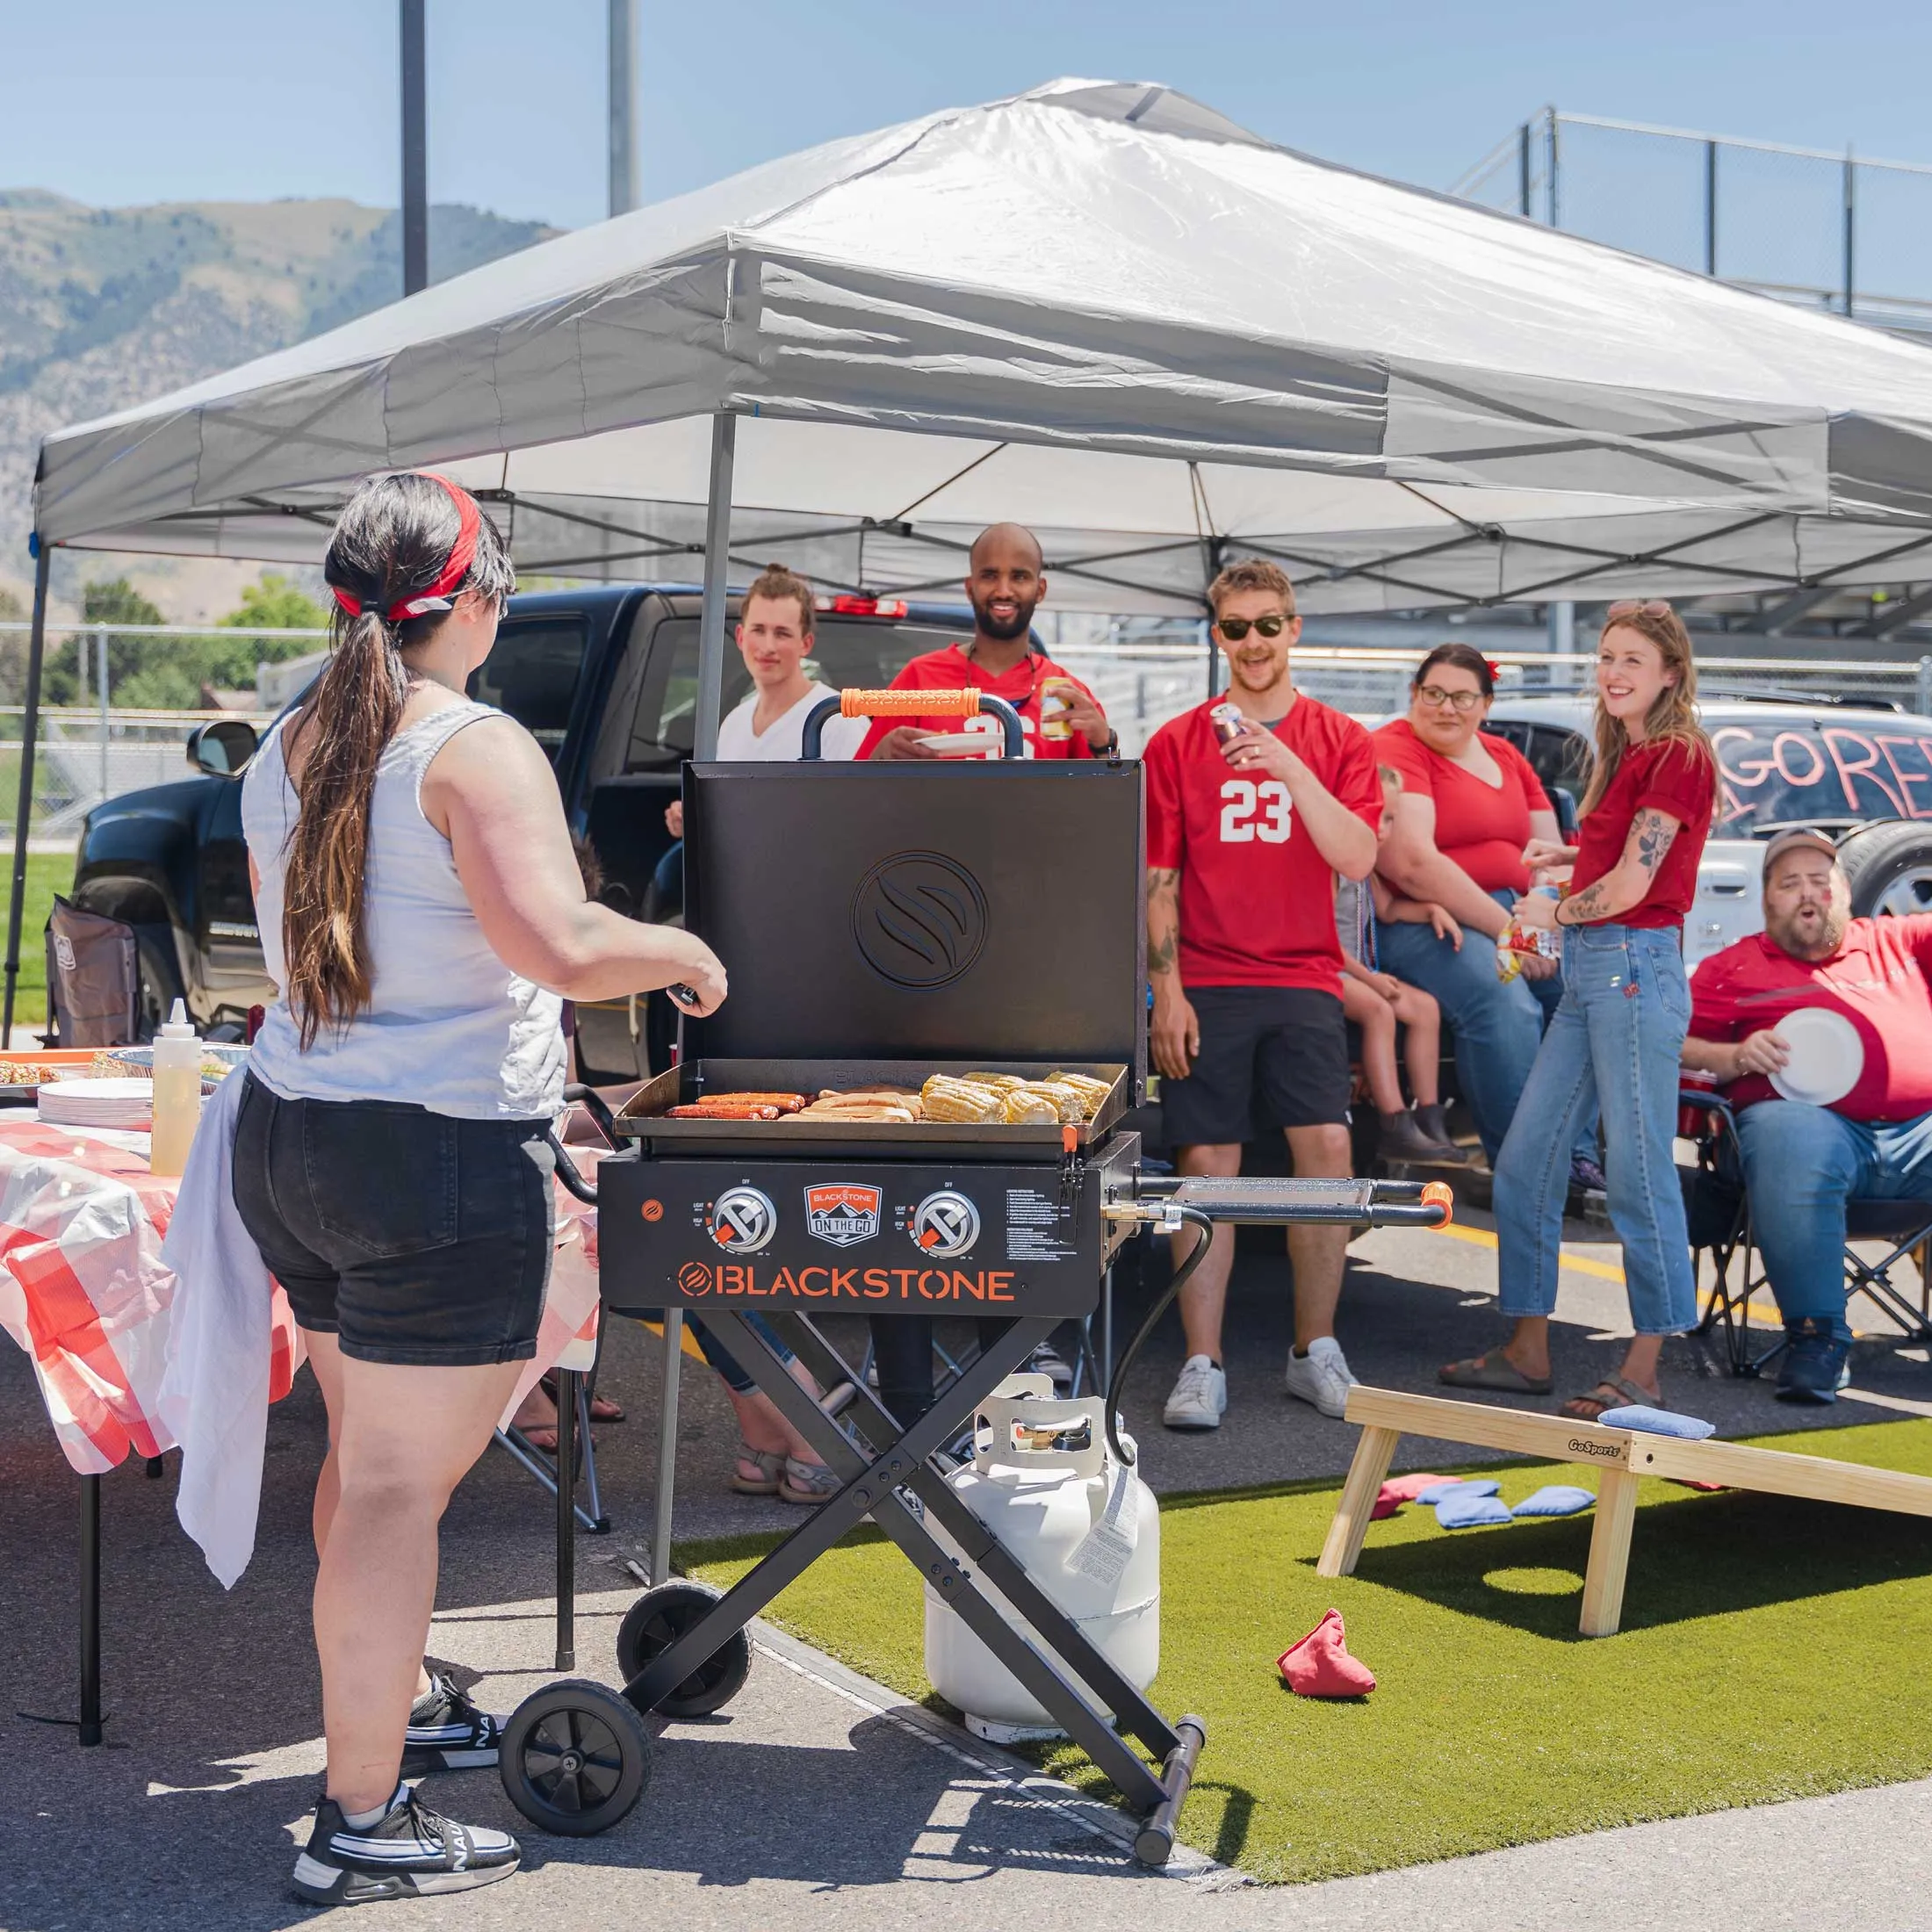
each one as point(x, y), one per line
point(882, 922)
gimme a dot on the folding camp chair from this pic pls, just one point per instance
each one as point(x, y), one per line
point(93, 978)
point(1718, 1212)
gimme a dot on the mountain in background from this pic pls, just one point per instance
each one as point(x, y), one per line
point(101, 308)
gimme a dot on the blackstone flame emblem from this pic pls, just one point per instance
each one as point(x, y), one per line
point(920, 919)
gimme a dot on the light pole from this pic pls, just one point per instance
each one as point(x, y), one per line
point(624, 107)
point(416, 154)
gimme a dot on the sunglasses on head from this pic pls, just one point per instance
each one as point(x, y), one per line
point(1235, 629)
point(1631, 607)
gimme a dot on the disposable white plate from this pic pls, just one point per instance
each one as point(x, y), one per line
point(97, 1103)
point(949, 744)
point(1826, 1056)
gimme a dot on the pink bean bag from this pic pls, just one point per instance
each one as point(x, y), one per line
point(1401, 1489)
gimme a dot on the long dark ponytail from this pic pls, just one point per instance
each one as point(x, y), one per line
point(397, 547)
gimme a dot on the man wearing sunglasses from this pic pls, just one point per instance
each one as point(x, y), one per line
point(1244, 836)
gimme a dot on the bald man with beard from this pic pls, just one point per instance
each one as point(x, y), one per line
point(1802, 1163)
point(1005, 583)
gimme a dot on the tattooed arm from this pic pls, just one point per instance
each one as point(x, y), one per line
point(1621, 890)
point(1175, 1032)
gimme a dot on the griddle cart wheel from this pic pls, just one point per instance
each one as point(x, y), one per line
point(575, 1758)
point(656, 1621)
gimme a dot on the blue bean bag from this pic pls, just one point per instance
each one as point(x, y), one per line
point(1437, 1491)
point(1460, 1510)
point(1557, 1499)
point(1658, 1421)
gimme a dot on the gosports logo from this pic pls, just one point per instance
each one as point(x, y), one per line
point(698, 1279)
point(842, 1212)
point(1613, 1451)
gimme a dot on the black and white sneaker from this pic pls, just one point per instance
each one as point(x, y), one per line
point(447, 1733)
point(408, 1853)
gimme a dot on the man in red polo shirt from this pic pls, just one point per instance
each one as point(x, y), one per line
point(1243, 840)
point(1005, 582)
point(1869, 1134)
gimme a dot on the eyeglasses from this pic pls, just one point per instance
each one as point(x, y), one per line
point(1435, 697)
point(1235, 629)
point(1630, 607)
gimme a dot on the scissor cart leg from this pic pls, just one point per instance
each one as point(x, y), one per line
point(872, 1487)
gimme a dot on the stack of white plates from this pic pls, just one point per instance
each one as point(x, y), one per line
point(98, 1103)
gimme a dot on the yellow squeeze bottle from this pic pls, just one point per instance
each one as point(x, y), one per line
point(177, 1092)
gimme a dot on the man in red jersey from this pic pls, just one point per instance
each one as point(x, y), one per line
point(1005, 582)
point(1853, 1117)
point(1243, 840)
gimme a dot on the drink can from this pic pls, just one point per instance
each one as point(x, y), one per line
point(1228, 721)
point(1056, 696)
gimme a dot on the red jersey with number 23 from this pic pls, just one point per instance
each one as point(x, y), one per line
point(1257, 899)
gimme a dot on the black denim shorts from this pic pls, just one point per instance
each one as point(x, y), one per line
point(1271, 1057)
point(411, 1236)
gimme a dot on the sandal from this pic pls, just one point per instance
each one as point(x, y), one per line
point(601, 1410)
point(769, 1463)
point(1493, 1370)
point(1622, 1392)
point(808, 1482)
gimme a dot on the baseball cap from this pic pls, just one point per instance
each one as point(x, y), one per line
point(1808, 837)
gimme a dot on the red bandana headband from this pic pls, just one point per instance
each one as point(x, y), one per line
point(462, 555)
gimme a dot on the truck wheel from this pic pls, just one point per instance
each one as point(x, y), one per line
point(1889, 869)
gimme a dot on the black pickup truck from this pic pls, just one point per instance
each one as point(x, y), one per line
point(606, 680)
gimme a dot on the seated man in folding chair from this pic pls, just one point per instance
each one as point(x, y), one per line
point(1824, 1113)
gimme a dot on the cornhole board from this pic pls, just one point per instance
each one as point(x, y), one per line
point(1387, 1414)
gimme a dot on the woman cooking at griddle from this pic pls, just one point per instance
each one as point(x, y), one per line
point(422, 917)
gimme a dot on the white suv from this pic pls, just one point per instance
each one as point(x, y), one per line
point(1855, 770)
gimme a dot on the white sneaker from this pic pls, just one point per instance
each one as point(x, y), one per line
point(1200, 1397)
point(1321, 1376)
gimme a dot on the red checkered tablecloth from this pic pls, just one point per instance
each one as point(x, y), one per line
point(83, 1290)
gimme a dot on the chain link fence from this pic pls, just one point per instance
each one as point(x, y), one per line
point(1822, 230)
point(1143, 671)
point(91, 745)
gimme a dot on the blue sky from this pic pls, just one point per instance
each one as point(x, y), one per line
point(130, 101)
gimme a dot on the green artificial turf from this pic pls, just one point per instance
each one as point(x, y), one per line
point(47, 873)
point(1771, 1649)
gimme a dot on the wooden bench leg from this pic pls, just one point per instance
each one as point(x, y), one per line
point(1366, 1476)
point(1609, 1553)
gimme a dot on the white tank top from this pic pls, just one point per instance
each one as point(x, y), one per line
point(449, 1025)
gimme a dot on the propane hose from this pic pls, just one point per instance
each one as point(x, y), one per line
point(1183, 1274)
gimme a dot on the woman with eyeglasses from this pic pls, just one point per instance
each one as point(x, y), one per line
point(1469, 805)
point(1619, 1033)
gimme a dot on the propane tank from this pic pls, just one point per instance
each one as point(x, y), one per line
point(1082, 1525)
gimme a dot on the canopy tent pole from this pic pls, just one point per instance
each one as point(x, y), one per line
point(43, 563)
point(710, 698)
point(710, 629)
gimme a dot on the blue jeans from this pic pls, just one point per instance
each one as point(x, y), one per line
point(1495, 1026)
point(1616, 1039)
point(1801, 1165)
point(714, 1352)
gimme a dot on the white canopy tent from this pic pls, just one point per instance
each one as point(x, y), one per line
point(1100, 308)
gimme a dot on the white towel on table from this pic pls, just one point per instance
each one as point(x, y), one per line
point(214, 1392)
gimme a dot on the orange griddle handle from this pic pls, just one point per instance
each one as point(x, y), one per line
point(970, 701)
point(960, 703)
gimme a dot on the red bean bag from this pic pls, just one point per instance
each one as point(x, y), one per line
point(1320, 1665)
